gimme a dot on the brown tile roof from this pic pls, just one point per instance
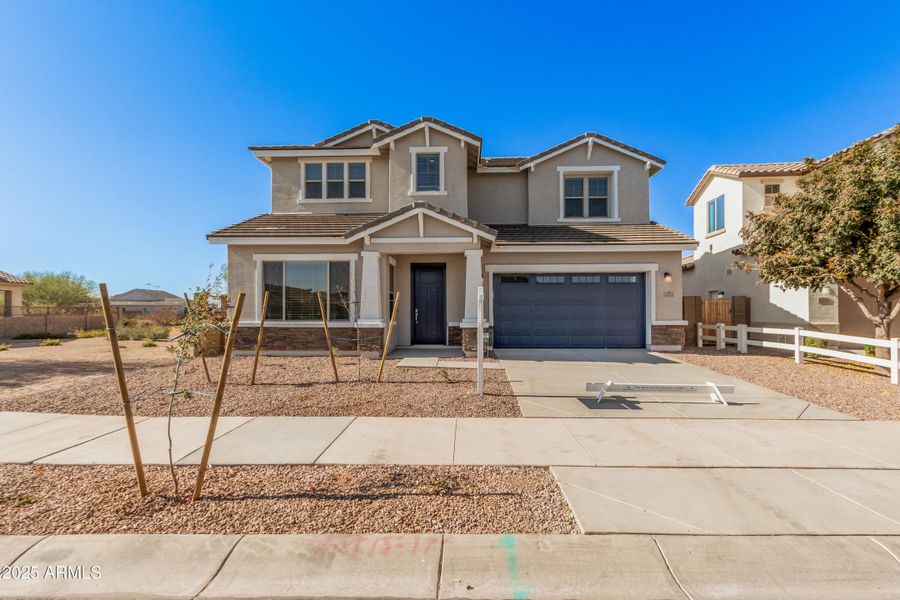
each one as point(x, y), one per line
point(295, 225)
point(393, 132)
point(361, 127)
point(590, 134)
point(881, 136)
point(10, 278)
point(420, 204)
point(687, 262)
point(501, 161)
point(754, 169)
point(593, 234)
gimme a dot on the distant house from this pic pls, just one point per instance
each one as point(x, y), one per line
point(721, 201)
point(11, 294)
point(142, 302)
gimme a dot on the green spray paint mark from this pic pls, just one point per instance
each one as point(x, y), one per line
point(521, 591)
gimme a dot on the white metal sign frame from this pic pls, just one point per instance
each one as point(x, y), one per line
point(716, 391)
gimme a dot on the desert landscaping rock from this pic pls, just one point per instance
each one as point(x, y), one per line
point(286, 386)
point(282, 499)
point(848, 388)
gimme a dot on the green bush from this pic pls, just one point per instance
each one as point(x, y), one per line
point(869, 350)
point(814, 343)
point(39, 336)
point(143, 331)
point(88, 333)
point(149, 344)
point(4, 347)
point(50, 342)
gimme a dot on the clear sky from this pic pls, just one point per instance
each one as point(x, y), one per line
point(124, 126)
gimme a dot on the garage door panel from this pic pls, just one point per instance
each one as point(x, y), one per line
point(604, 312)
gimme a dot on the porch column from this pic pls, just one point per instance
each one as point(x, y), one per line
point(473, 280)
point(370, 294)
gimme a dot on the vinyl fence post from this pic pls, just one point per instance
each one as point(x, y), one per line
point(742, 338)
point(798, 346)
point(895, 359)
point(720, 336)
point(699, 335)
point(479, 376)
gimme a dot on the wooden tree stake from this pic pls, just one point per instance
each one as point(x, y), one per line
point(123, 390)
point(202, 357)
point(260, 335)
point(220, 393)
point(387, 340)
point(327, 336)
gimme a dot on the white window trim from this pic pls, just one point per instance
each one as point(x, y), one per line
point(413, 151)
point(721, 230)
point(302, 199)
point(326, 258)
point(609, 170)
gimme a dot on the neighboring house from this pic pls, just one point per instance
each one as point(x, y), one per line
point(143, 302)
point(11, 294)
point(720, 201)
point(561, 241)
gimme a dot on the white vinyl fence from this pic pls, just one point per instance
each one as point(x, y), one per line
point(738, 335)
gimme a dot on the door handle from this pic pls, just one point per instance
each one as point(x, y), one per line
point(417, 316)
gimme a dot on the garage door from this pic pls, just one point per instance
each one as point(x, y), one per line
point(569, 310)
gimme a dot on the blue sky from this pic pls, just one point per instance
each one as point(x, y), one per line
point(124, 127)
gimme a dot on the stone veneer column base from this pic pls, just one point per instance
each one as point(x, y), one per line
point(470, 340)
point(667, 337)
point(312, 339)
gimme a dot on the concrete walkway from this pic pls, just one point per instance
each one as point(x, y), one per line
point(84, 439)
point(551, 383)
point(453, 566)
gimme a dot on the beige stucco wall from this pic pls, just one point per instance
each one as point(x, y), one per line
point(633, 183)
point(498, 198)
point(287, 180)
point(15, 298)
point(668, 295)
point(455, 172)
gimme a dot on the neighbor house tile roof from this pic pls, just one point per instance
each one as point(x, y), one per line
point(152, 295)
point(10, 278)
point(593, 233)
point(687, 262)
point(752, 169)
point(295, 225)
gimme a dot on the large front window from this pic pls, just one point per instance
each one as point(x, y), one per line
point(294, 288)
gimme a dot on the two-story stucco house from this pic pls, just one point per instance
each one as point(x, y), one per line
point(720, 202)
point(561, 241)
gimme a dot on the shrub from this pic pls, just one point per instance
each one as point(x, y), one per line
point(40, 336)
point(143, 331)
point(814, 343)
point(869, 350)
point(50, 342)
point(149, 344)
point(4, 347)
point(88, 333)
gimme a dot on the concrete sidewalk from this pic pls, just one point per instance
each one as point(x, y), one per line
point(82, 439)
point(452, 566)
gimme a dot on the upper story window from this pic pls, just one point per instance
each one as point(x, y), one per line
point(771, 190)
point(588, 193)
point(343, 181)
point(715, 215)
point(427, 170)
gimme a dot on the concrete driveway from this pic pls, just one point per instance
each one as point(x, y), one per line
point(551, 383)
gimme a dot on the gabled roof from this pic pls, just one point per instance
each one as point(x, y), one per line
point(591, 234)
point(416, 124)
point(591, 137)
point(737, 170)
point(374, 124)
point(143, 295)
point(418, 206)
point(10, 278)
point(881, 136)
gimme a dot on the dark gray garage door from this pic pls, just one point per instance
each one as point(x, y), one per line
point(565, 310)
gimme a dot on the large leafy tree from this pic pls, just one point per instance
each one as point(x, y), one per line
point(57, 289)
point(841, 227)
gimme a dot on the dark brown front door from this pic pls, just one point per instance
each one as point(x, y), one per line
point(428, 304)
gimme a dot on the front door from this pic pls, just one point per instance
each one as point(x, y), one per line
point(428, 308)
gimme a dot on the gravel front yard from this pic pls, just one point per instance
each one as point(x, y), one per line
point(845, 387)
point(44, 500)
point(287, 386)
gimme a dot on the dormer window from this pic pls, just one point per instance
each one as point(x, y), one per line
point(343, 182)
point(588, 193)
point(427, 170)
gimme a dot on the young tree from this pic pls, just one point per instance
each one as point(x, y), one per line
point(58, 289)
point(841, 227)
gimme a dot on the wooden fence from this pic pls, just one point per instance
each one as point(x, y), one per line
point(730, 311)
point(796, 343)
